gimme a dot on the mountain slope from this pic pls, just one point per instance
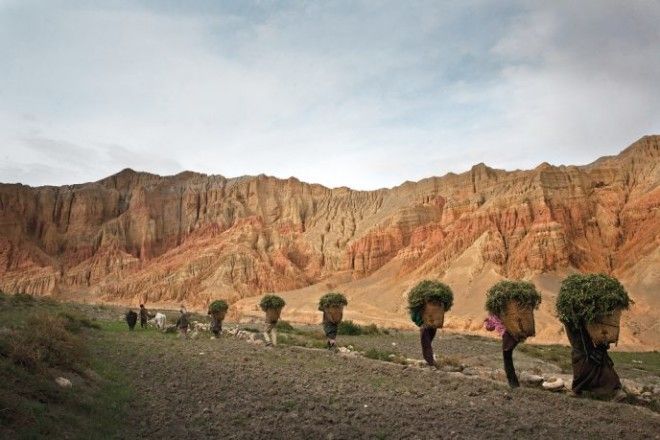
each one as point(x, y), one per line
point(191, 237)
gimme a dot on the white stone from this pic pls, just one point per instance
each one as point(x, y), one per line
point(631, 387)
point(63, 382)
point(554, 384)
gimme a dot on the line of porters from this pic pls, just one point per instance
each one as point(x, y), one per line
point(588, 305)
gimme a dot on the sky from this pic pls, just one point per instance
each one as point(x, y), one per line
point(365, 94)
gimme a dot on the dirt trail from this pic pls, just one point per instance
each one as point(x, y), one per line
point(230, 389)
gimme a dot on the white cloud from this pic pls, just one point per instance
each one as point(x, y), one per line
point(365, 95)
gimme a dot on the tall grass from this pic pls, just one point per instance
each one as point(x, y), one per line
point(350, 328)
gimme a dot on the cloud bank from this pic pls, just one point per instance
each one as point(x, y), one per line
point(362, 94)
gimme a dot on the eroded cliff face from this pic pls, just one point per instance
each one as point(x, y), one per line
point(191, 237)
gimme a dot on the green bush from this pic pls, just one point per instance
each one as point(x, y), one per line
point(219, 305)
point(284, 327)
point(524, 293)
point(271, 302)
point(45, 341)
point(22, 299)
point(387, 356)
point(586, 298)
point(332, 299)
point(370, 329)
point(75, 323)
point(430, 291)
point(350, 328)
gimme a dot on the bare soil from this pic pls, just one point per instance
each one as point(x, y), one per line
point(230, 389)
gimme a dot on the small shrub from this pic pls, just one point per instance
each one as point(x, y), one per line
point(271, 302)
point(370, 329)
point(586, 298)
point(24, 355)
point(251, 329)
point(47, 335)
point(218, 305)
point(350, 328)
point(285, 327)
point(374, 353)
point(387, 356)
point(452, 361)
point(332, 299)
point(75, 323)
point(430, 291)
point(22, 299)
point(524, 293)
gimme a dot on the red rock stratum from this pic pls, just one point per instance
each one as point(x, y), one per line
point(193, 238)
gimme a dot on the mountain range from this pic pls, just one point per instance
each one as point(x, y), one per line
point(191, 238)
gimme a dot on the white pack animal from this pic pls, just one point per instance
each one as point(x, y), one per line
point(160, 321)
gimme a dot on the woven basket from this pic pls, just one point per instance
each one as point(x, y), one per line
point(606, 329)
point(335, 314)
point(273, 315)
point(519, 320)
point(433, 315)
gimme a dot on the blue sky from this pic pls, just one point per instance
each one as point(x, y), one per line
point(363, 94)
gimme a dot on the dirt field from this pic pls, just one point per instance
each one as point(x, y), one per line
point(147, 384)
point(228, 388)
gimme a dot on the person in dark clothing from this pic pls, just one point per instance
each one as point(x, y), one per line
point(144, 316)
point(131, 319)
point(426, 335)
point(509, 343)
point(182, 323)
point(593, 369)
point(216, 325)
point(330, 329)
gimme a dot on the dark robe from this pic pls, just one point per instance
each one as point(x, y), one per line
point(216, 325)
point(593, 369)
point(426, 335)
point(182, 322)
point(144, 317)
point(131, 319)
point(509, 343)
point(329, 328)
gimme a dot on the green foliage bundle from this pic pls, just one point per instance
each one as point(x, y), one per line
point(430, 291)
point(587, 298)
point(218, 305)
point(271, 302)
point(524, 293)
point(332, 299)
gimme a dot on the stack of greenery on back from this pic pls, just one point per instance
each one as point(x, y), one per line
point(332, 299)
point(218, 305)
point(584, 299)
point(430, 291)
point(271, 302)
point(522, 292)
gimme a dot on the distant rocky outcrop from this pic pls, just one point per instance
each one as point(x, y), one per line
point(191, 237)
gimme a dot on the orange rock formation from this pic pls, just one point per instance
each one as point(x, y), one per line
point(192, 237)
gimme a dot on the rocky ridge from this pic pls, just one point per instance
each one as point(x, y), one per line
point(191, 237)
